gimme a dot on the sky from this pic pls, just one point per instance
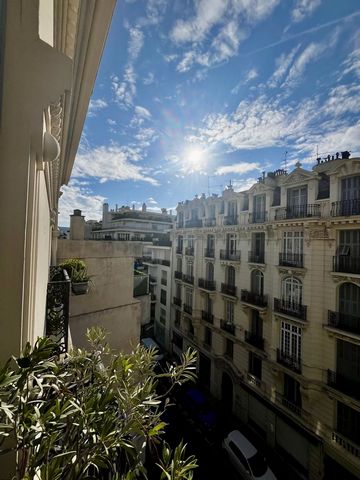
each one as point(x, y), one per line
point(191, 94)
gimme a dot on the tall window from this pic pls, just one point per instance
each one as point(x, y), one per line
point(348, 422)
point(212, 211)
point(292, 292)
point(229, 348)
point(191, 242)
point(163, 297)
point(349, 243)
point(179, 264)
point(245, 205)
point(208, 304)
point(229, 311)
point(231, 243)
point(259, 208)
point(188, 297)
point(180, 241)
point(350, 188)
point(194, 214)
point(292, 390)
point(209, 271)
point(256, 324)
point(276, 197)
point(293, 242)
point(210, 243)
point(257, 282)
point(348, 360)
point(290, 340)
point(232, 209)
point(190, 269)
point(178, 291)
point(208, 336)
point(258, 247)
point(349, 299)
point(297, 201)
point(255, 366)
point(230, 276)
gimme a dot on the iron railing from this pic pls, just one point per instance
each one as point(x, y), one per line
point(254, 339)
point(230, 256)
point(344, 321)
point(289, 404)
point(188, 279)
point(194, 223)
point(288, 307)
point(230, 220)
point(345, 208)
point(345, 443)
point(256, 257)
point(347, 385)
point(207, 284)
point(187, 308)
point(290, 361)
point(291, 260)
point(177, 301)
point(228, 289)
point(345, 264)
point(210, 222)
point(207, 316)
point(178, 275)
point(209, 253)
point(57, 308)
point(227, 326)
point(258, 217)
point(179, 250)
point(298, 211)
point(254, 298)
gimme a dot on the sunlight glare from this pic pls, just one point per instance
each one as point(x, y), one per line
point(194, 159)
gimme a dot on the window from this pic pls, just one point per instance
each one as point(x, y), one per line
point(179, 264)
point(349, 243)
point(245, 205)
point(163, 316)
point(257, 282)
point(212, 211)
point(208, 304)
point(230, 276)
point(188, 297)
point(256, 324)
point(350, 188)
point(255, 365)
point(290, 340)
point(229, 348)
point(239, 455)
point(210, 243)
point(178, 291)
point(222, 208)
point(209, 271)
point(259, 204)
point(180, 242)
point(194, 214)
point(349, 299)
point(208, 336)
point(258, 247)
point(297, 197)
point(348, 422)
point(292, 292)
point(293, 242)
point(348, 361)
point(163, 277)
point(232, 209)
point(177, 318)
point(229, 311)
point(177, 340)
point(163, 297)
point(323, 186)
point(276, 197)
point(292, 390)
point(190, 269)
point(191, 242)
point(231, 243)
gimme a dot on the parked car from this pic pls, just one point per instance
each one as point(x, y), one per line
point(246, 459)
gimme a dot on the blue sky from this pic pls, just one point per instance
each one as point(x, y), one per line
point(193, 93)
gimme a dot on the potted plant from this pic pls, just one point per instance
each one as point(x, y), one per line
point(77, 272)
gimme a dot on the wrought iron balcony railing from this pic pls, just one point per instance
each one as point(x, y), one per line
point(209, 253)
point(346, 444)
point(344, 321)
point(347, 385)
point(207, 316)
point(228, 289)
point(258, 217)
point(177, 301)
point(207, 284)
point(298, 211)
point(254, 298)
point(256, 257)
point(288, 307)
point(295, 260)
point(57, 308)
point(179, 250)
point(230, 220)
point(289, 404)
point(345, 264)
point(178, 275)
point(230, 256)
point(210, 222)
point(194, 223)
point(290, 361)
point(187, 308)
point(345, 208)
point(227, 326)
point(254, 340)
point(188, 279)
point(189, 251)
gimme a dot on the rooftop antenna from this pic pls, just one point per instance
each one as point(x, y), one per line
point(285, 160)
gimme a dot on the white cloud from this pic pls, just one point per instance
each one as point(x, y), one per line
point(242, 185)
point(251, 75)
point(111, 122)
point(111, 163)
point(283, 64)
point(136, 43)
point(95, 106)
point(142, 112)
point(352, 64)
point(151, 201)
point(237, 168)
point(308, 55)
point(125, 91)
point(149, 79)
point(75, 196)
point(304, 8)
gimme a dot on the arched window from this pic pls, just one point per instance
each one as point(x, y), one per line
point(231, 276)
point(292, 291)
point(349, 299)
point(257, 282)
point(209, 271)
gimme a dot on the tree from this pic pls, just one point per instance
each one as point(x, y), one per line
point(91, 414)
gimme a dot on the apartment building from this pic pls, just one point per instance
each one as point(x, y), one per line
point(266, 286)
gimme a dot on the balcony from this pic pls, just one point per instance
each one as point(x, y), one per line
point(254, 340)
point(289, 361)
point(189, 251)
point(288, 307)
point(345, 208)
point(349, 386)
point(164, 281)
point(256, 257)
point(207, 316)
point(288, 404)
point(209, 253)
point(254, 298)
point(229, 256)
point(345, 264)
point(178, 275)
point(258, 217)
point(227, 327)
point(253, 380)
point(193, 223)
point(57, 308)
point(188, 279)
point(210, 222)
point(177, 301)
point(179, 250)
point(294, 260)
point(230, 220)
point(187, 308)
point(346, 444)
point(298, 211)
point(209, 285)
point(344, 321)
point(228, 289)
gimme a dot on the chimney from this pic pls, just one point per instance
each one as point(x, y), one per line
point(77, 226)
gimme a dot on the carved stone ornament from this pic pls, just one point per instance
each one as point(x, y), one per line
point(337, 278)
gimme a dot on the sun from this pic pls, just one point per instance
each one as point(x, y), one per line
point(194, 158)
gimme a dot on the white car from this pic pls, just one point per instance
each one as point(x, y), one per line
point(246, 459)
